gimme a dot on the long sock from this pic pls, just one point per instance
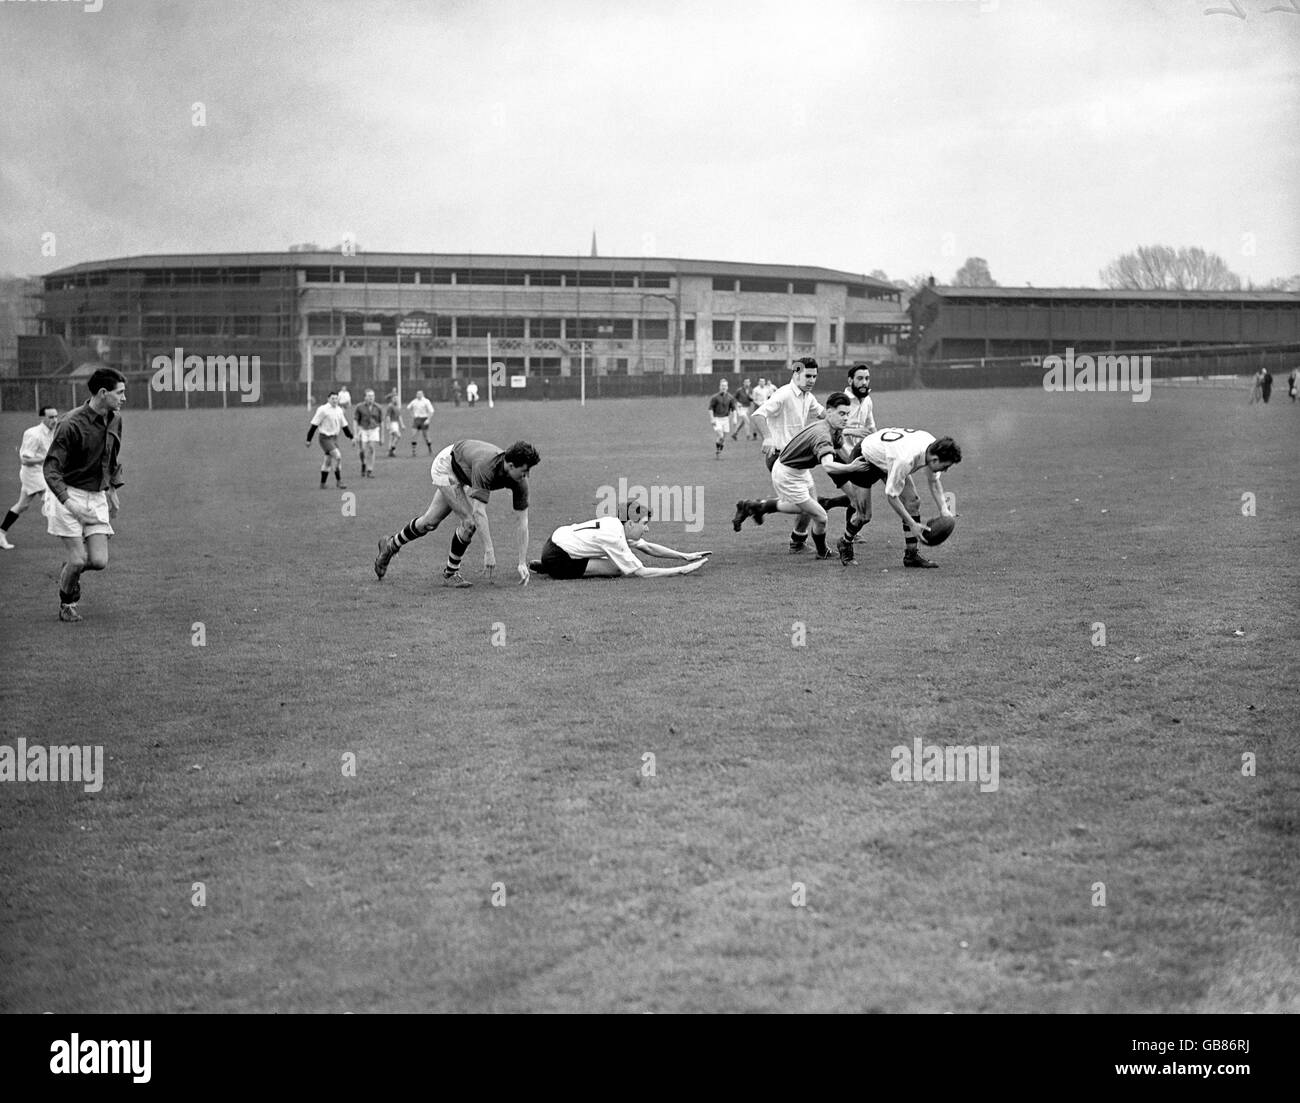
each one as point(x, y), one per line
point(819, 541)
point(10, 518)
point(458, 549)
point(410, 532)
point(323, 476)
point(834, 502)
point(909, 541)
point(854, 525)
point(765, 505)
point(338, 475)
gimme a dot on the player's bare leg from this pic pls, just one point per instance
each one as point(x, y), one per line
point(19, 508)
point(811, 517)
point(858, 516)
point(90, 554)
point(912, 556)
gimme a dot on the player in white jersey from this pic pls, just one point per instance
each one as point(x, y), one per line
point(421, 410)
point(786, 413)
point(330, 419)
point(894, 454)
point(345, 399)
point(603, 549)
point(31, 453)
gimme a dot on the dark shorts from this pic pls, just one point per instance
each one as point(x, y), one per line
point(867, 478)
point(421, 423)
point(560, 564)
point(327, 443)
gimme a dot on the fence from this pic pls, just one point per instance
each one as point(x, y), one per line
point(1209, 364)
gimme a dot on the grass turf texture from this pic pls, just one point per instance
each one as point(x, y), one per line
point(521, 764)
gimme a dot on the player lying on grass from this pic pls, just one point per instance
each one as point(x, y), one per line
point(819, 445)
point(893, 454)
point(603, 549)
point(464, 474)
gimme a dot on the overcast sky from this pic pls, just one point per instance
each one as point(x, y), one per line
point(1046, 136)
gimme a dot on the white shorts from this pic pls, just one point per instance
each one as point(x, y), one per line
point(395, 427)
point(440, 471)
point(32, 479)
point(62, 523)
point(722, 424)
point(367, 436)
point(790, 484)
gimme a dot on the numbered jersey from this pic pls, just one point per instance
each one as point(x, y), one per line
point(604, 538)
point(897, 452)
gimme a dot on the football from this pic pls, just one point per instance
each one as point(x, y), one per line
point(940, 529)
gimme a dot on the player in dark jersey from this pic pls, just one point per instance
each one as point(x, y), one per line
point(721, 406)
point(819, 445)
point(464, 475)
point(368, 417)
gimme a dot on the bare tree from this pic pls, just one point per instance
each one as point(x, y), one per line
point(974, 273)
point(1163, 268)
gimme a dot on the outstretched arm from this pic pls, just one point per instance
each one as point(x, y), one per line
point(523, 547)
point(662, 552)
point(663, 572)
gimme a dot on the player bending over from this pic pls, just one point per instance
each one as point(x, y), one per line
point(816, 446)
point(464, 474)
point(603, 549)
point(893, 454)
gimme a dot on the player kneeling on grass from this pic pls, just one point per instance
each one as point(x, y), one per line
point(464, 475)
point(893, 454)
point(603, 549)
point(816, 446)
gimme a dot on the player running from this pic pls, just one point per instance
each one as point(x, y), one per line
point(393, 417)
point(603, 549)
point(476, 467)
point(421, 410)
point(816, 446)
point(893, 454)
point(785, 412)
point(721, 406)
point(368, 417)
point(330, 419)
point(31, 482)
point(860, 423)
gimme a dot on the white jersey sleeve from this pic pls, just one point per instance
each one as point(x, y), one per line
point(898, 452)
point(603, 538)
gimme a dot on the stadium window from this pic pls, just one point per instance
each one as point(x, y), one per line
point(354, 275)
point(441, 275)
point(724, 283)
point(655, 281)
point(545, 328)
point(245, 325)
point(855, 333)
point(856, 291)
point(690, 329)
point(320, 325)
point(765, 286)
point(654, 329)
point(318, 275)
point(544, 365)
point(546, 279)
point(764, 333)
point(803, 287)
point(723, 329)
point(354, 325)
point(835, 330)
point(805, 333)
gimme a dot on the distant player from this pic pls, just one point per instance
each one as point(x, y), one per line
point(1291, 383)
point(393, 418)
point(471, 392)
point(368, 417)
point(786, 412)
point(603, 549)
point(421, 410)
point(330, 419)
point(894, 454)
point(345, 399)
point(464, 474)
point(744, 404)
point(816, 446)
point(31, 454)
point(721, 406)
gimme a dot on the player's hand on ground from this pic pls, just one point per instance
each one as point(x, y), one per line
point(698, 555)
point(524, 574)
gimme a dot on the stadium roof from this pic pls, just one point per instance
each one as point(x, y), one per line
point(1111, 294)
point(658, 265)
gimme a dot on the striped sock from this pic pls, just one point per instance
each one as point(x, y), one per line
point(458, 549)
point(409, 533)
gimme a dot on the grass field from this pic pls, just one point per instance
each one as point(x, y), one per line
point(522, 765)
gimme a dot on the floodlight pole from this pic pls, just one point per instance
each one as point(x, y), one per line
point(490, 405)
point(582, 356)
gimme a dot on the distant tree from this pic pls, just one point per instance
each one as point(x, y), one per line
point(914, 284)
point(878, 274)
point(1164, 268)
point(974, 273)
point(1283, 283)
